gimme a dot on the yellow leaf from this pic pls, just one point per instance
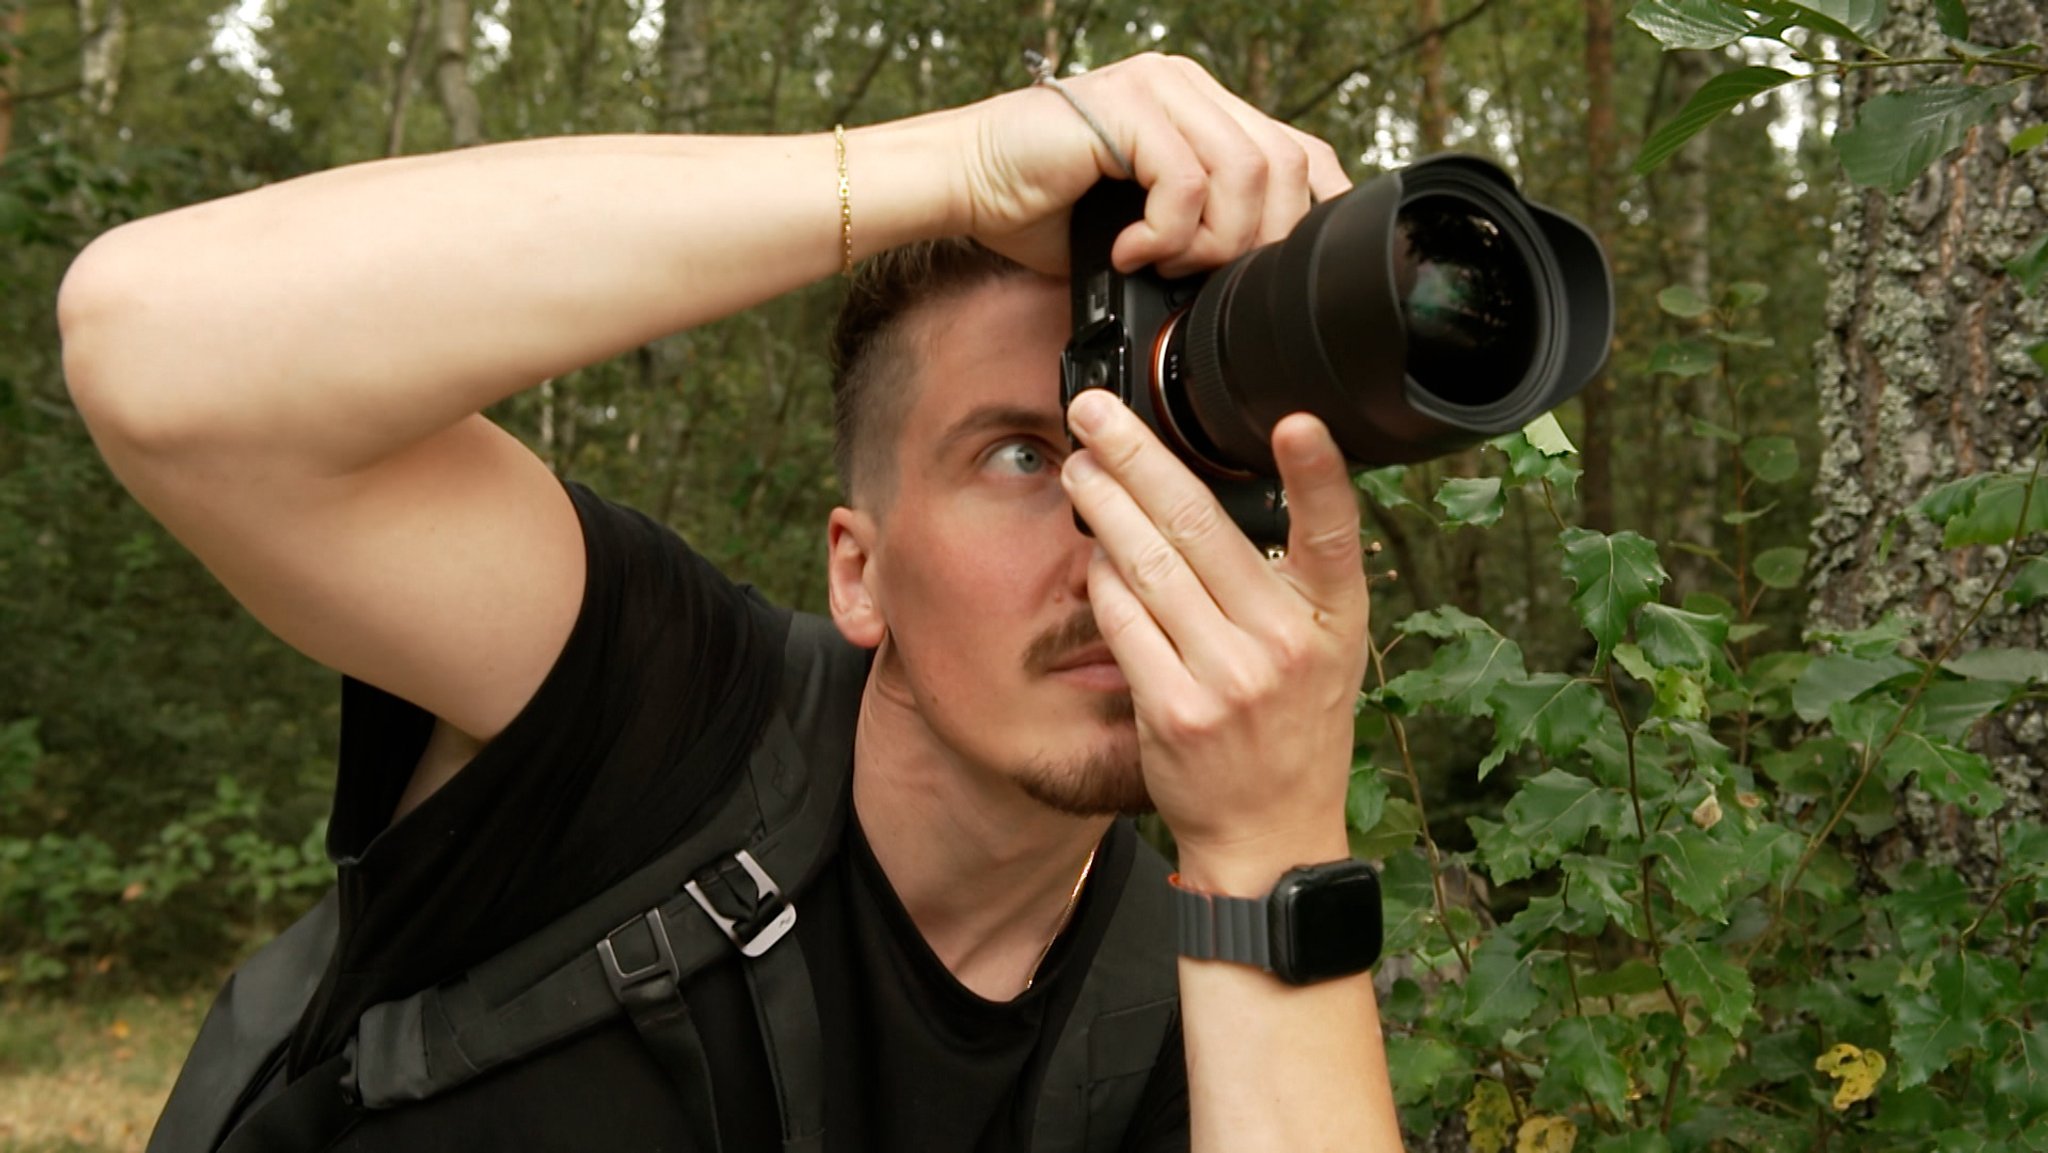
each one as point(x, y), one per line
point(118, 1030)
point(1858, 1070)
point(1489, 1116)
point(1545, 1134)
point(1708, 813)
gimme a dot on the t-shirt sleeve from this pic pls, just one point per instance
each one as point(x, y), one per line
point(650, 710)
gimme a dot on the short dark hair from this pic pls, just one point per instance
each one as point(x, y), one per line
point(872, 365)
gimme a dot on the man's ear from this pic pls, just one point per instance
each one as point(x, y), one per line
point(850, 537)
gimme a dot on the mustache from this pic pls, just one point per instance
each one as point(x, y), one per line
point(1055, 644)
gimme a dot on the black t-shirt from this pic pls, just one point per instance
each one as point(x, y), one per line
point(647, 717)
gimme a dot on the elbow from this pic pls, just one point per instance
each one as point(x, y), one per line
point(104, 309)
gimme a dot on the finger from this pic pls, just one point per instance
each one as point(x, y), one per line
point(1180, 509)
point(1150, 664)
point(1324, 559)
point(1162, 579)
point(1238, 168)
point(1286, 195)
point(1326, 177)
point(1176, 193)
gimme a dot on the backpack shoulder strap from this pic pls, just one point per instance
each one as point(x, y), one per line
point(1113, 1036)
point(246, 1031)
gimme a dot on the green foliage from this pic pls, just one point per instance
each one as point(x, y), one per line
point(1688, 945)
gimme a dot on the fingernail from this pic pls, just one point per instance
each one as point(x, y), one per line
point(1090, 409)
point(1080, 467)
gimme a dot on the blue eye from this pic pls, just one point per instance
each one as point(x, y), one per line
point(1020, 456)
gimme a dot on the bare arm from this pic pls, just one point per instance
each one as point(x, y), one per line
point(289, 378)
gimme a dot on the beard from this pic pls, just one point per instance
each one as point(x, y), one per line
point(1107, 779)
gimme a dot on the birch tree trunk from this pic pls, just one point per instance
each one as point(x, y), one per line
point(451, 75)
point(1596, 402)
point(13, 23)
point(1923, 377)
point(1688, 221)
point(103, 40)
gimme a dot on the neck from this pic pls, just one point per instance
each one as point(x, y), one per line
point(984, 871)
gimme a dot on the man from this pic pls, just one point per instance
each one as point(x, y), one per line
point(544, 689)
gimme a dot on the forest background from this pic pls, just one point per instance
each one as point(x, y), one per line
point(1703, 761)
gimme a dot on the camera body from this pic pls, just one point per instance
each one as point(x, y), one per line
point(1123, 329)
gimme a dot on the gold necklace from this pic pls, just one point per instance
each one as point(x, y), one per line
point(1066, 914)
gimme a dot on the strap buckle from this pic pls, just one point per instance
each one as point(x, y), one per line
point(664, 963)
point(754, 928)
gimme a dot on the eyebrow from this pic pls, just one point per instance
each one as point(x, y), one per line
point(1000, 418)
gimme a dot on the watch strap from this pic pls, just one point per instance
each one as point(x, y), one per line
point(1220, 928)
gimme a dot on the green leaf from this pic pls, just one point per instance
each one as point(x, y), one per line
point(1445, 622)
point(2000, 664)
point(1957, 776)
point(1400, 825)
point(1745, 339)
point(2031, 266)
point(1950, 709)
point(1547, 436)
point(1557, 712)
point(1750, 514)
point(1705, 971)
point(1952, 18)
point(1472, 500)
point(1930, 1026)
point(1631, 978)
point(1992, 512)
point(1460, 677)
point(1417, 1064)
point(1856, 20)
point(1692, 24)
point(1698, 869)
point(1615, 576)
point(1840, 677)
point(1774, 459)
point(1383, 485)
point(2030, 139)
point(1601, 888)
point(1365, 798)
point(1407, 900)
point(1684, 358)
point(1584, 1060)
point(1680, 300)
point(1780, 568)
point(1712, 431)
point(1675, 639)
point(1924, 904)
point(2029, 583)
point(1500, 992)
point(1899, 134)
point(1506, 854)
point(2039, 355)
point(1747, 294)
point(1879, 640)
point(2022, 1078)
point(1712, 101)
point(1553, 813)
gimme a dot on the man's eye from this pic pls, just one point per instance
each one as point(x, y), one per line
point(1021, 457)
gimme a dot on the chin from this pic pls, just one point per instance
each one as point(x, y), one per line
point(1104, 780)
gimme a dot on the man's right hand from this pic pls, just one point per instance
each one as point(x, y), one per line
point(1222, 177)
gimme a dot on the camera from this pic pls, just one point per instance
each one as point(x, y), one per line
point(1417, 314)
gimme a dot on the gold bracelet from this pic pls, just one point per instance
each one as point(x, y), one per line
point(845, 203)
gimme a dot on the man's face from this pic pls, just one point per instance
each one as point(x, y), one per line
point(977, 571)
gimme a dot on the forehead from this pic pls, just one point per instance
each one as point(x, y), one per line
point(992, 350)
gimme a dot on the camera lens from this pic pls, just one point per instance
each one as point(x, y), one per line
point(1468, 301)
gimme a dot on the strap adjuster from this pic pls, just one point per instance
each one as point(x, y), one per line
point(754, 931)
point(664, 963)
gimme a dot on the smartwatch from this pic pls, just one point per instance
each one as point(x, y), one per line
point(1319, 922)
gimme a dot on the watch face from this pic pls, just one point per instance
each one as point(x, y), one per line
point(1333, 924)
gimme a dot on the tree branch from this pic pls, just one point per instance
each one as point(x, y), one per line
point(1403, 48)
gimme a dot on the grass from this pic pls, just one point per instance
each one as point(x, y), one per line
point(90, 1077)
